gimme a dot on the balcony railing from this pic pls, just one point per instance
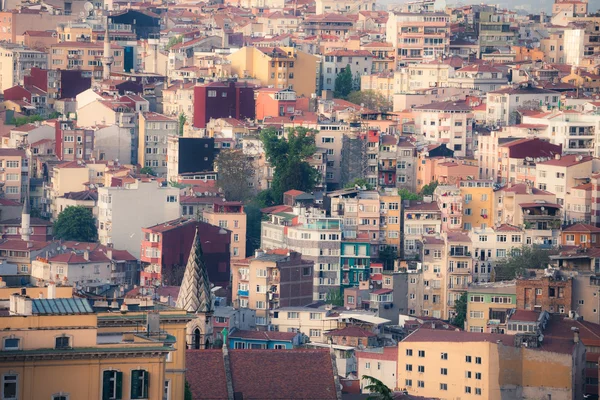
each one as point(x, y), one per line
point(458, 286)
point(244, 293)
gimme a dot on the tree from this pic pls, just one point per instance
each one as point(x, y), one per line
point(361, 182)
point(234, 168)
point(378, 389)
point(343, 83)
point(428, 189)
point(370, 99)
point(387, 256)
point(182, 121)
point(173, 41)
point(254, 218)
point(289, 158)
point(460, 309)
point(522, 258)
point(334, 297)
point(188, 395)
point(75, 223)
point(406, 194)
point(147, 171)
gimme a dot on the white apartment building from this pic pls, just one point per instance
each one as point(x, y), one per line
point(501, 104)
point(360, 62)
point(491, 245)
point(124, 211)
point(313, 322)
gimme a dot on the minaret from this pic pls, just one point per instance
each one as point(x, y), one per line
point(107, 58)
point(26, 218)
point(195, 297)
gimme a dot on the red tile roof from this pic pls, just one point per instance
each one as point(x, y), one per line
point(567, 160)
point(438, 335)
point(525, 316)
point(264, 335)
point(522, 188)
point(258, 374)
point(388, 354)
point(382, 291)
point(507, 228)
point(582, 228)
point(22, 245)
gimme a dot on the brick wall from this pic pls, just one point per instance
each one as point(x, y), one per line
point(546, 293)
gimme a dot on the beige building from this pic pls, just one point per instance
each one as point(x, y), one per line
point(15, 63)
point(271, 280)
point(380, 363)
point(179, 98)
point(155, 130)
point(489, 305)
point(86, 56)
point(455, 364)
point(230, 215)
point(14, 173)
point(560, 174)
point(313, 322)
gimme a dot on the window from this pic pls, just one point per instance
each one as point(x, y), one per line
point(467, 389)
point(444, 356)
point(421, 353)
point(443, 386)
point(62, 342)
point(477, 360)
point(367, 365)
point(409, 367)
point(315, 333)
point(12, 343)
point(468, 359)
point(306, 271)
point(139, 384)
point(9, 387)
point(478, 391)
point(260, 305)
point(167, 392)
point(112, 385)
point(350, 299)
point(421, 384)
point(408, 382)
point(421, 368)
point(60, 396)
point(409, 352)
point(293, 315)
point(478, 375)
point(444, 371)
point(212, 93)
point(171, 199)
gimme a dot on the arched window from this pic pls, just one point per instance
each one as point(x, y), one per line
point(196, 339)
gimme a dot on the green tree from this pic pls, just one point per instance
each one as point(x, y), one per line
point(234, 168)
point(147, 171)
point(173, 41)
point(75, 223)
point(387, 256)
point(334, 297)
point(254, 218)
point(378, 389)
point(343, 83)
point(428, 189)
point(182, 120)
point(370, 99)
point(362, 182)
point(406, 194)
point(289, 158)
point(523, 258)
point(460, 308)
point(188, 395)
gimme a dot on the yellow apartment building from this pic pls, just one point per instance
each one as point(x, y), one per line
point(85, 56)
point(11, 173)
point(230, 215)
point(456, 364)
point(278, 67)
point(488, 305)
point(478, 203)
point(61, 348)
point(267, 281)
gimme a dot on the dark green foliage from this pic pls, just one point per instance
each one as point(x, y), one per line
point(75, 223)
point(234, 169)
point(147, 171)
point(188, 392)
point(387, 256)
point(428, 189)
point(460, 307)
point(406, 194)
point(523, 258)
point(289, 158)
point(343, 83)
point(378, 389)
point(334, 297)
point(362, 182)
point(370, 99)
point(182, 120)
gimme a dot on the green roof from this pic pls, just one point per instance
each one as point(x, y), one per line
point(61, 306)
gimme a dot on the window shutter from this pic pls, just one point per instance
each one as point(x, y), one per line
point(145, 388)
point(135, 384)
point(119, 393)
point(106, 384)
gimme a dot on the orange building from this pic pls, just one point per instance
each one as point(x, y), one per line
point(526, 54)
point(581, 235)
point(444, 170)
point(271, 102)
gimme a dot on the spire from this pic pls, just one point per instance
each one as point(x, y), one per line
point(195, 295)
point(26, 214)
point(107, 58)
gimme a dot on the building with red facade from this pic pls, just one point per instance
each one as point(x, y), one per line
point(272, 102)
point(222, 100)
point(166, 248)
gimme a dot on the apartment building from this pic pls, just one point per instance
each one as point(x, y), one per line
point(495, 32)
point(279, 67)
point(493, 245)
point(418, 36)
point(380, 363)
point(359, 61)
point(552, 293)
point(427, 75)
point(501, 104)
point(330, 137)
point(433, 277)
point(269, 281)
point(460, 266)
point(421, 218)
point(483, 77)
point(85, 56)
point(450, 364)
point(478, 203)
point(489, 306)
point(406, 165)
point(347, 7)
point(154, 131)
point(517, 159)
point(14, 173)
point(222, 100)
point(179, 98)
point(449, 122)
point(16, 62)
point(124, 211)
point(450, 203)
point(312, 322)
point(561, 173)
point(230, 215)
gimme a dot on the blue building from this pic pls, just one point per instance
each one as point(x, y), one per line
point(239, 339)
point(356, 263)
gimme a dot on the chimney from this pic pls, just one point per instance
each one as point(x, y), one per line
point(20, 305)
point(433, 325)
point(258, 253)
point(575, 335)
point(86, 255)
point(51, 290)
point(557, 156)
point(109, 251)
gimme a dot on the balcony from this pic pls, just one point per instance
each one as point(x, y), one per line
point(387, 168)
point(244, 277)
point(459, 253)
point(460, 271)
point(244, 293)
point(458, 286)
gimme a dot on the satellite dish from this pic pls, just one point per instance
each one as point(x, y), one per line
point(89, 8)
